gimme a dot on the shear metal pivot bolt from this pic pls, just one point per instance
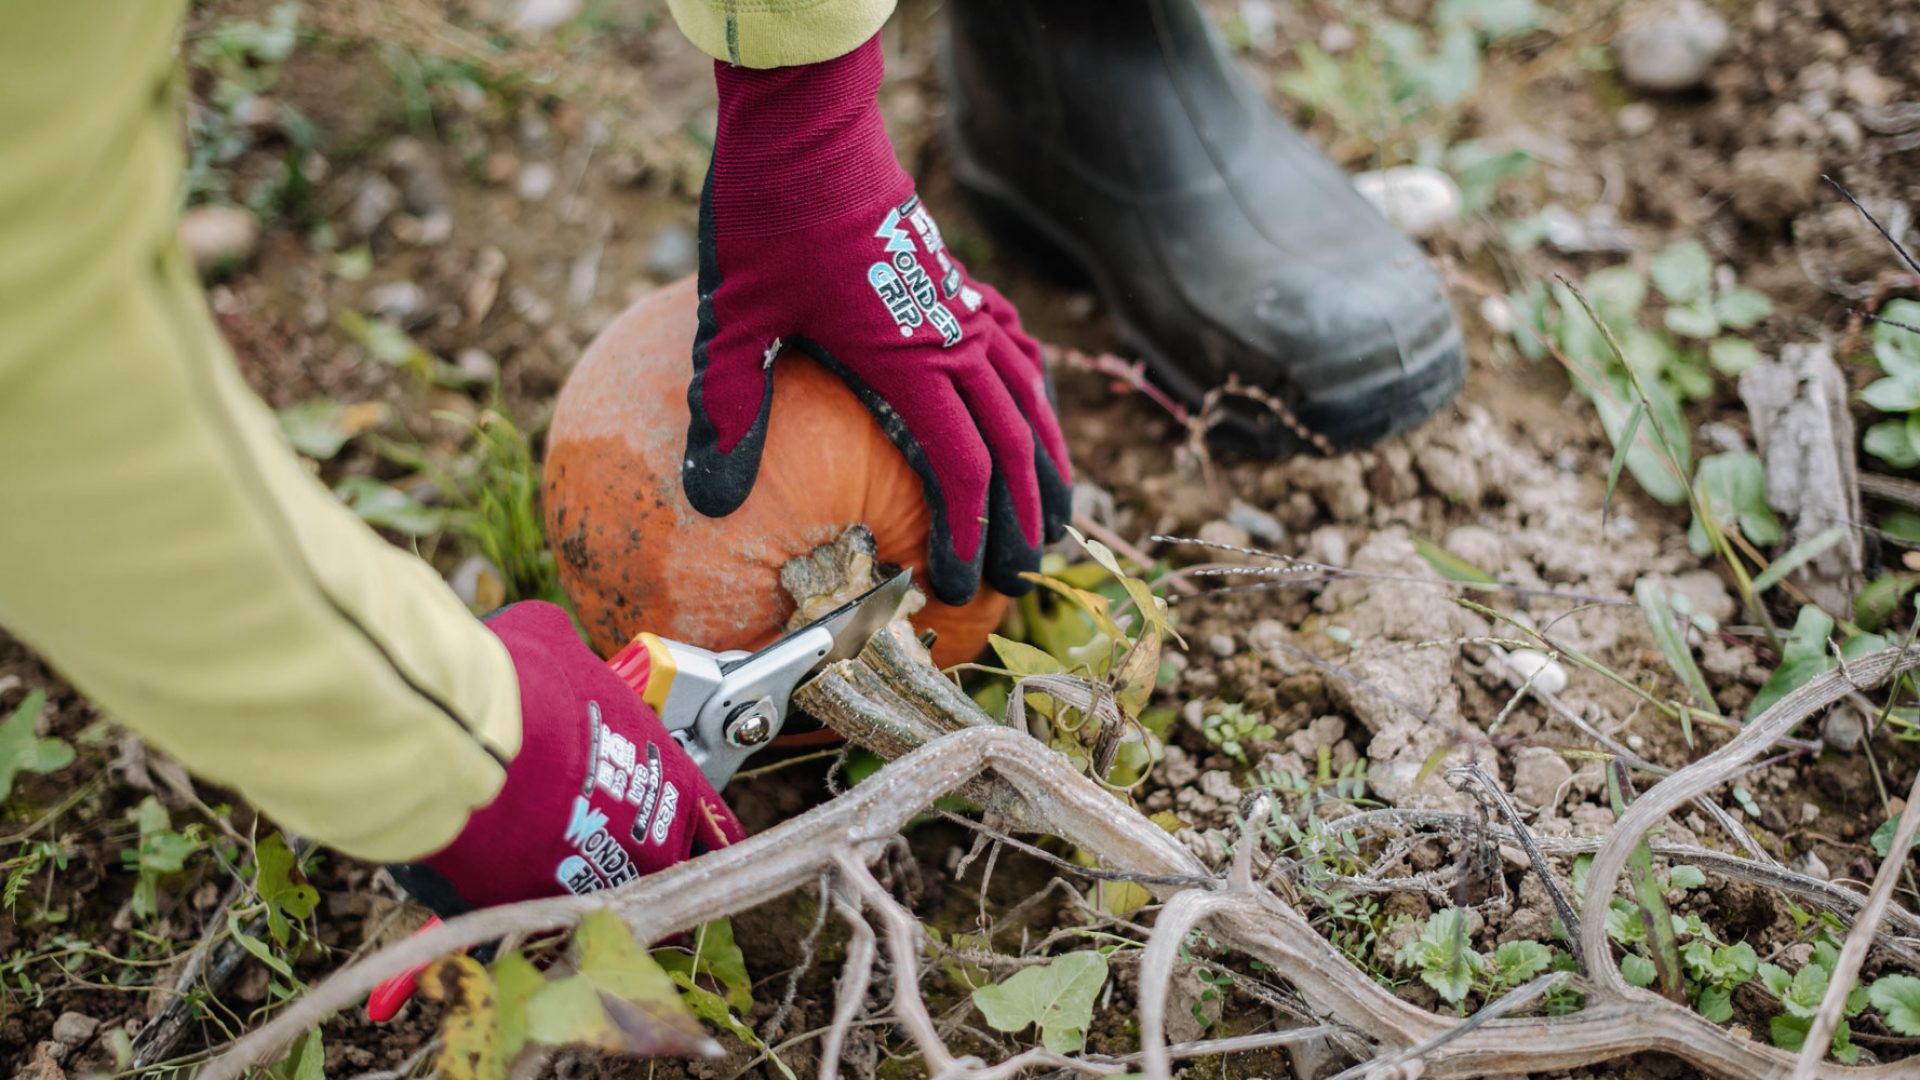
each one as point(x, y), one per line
point(751, 724)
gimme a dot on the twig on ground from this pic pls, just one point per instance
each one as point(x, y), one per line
point(903, 950)
point(1181, 915)
point(851, 992)
point(778, 1021)
point(1473, 772)
point(1525, 994)
point(1840, 981)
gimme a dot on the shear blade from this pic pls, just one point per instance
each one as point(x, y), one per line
point(854, 623)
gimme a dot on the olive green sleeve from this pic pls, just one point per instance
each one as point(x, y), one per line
point(779, 33)
point(161, 545)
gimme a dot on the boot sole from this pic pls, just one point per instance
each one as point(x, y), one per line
point(1346, 417)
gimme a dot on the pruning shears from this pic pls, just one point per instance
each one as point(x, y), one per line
point(722, 707)
point(725, 707)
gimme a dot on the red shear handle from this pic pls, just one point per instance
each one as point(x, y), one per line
point(647, 665)
point(389, 996)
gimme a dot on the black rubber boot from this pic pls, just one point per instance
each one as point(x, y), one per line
point(1120, 133)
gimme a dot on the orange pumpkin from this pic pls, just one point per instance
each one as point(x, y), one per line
point(634, 556)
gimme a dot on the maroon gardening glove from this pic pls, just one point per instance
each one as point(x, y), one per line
point(599, 794)
point(811, 237)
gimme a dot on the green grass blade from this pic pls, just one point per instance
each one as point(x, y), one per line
point(1451, 566)
point(1672, 641)
point(1650, 898)
point(1620, 459)
point(1799, 555)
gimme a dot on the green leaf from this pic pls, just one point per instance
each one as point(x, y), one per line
point(287, 901)
point(1804, 993)
point(1892, 395)
point(254, 945)
point(1615, 403)
point(1880, 600)
point(1898, 999)
point(515, 980)
point(352, 264)
point(1733, 488)
point(1617, 293)
point(1882, 838)
point(1716, 1003)
point(1897, 348)
point(1637, 970)
point(1685, 876)
point(1683, 272)
point(619, 999)
point(386, 342)
point(1450, 566)
point(1023, 659)
point(1740, 308)
point(721, 956)
point(1902, 525)
point(1802, 656)
point(1693, 320)
point(480, 1032)
point(1789, 1032)
point(1624, 924)
point(1620, 457)
point(1797, 556)
point(1776, 979)
point(1734, 965)
point(1888, 441)
point(1057, 995)
point(712, 1008)
point(1732, 355)
point(1518, 961)
point(319, 428)
point(1494, 18)
point(1480, 172)
point(1671, 638)
point(387, 507)
point(23, 751)
point(1443, 956)
point(306, 1060)
point(1842, 1046)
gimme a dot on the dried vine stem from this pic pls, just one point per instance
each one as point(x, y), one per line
point(853, 829)
point(1847, 967)
point(1653, 805)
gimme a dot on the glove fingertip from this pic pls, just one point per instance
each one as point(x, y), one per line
point(1056, 497)
point(1009, 555)
point(955, 581)
point(717, 482)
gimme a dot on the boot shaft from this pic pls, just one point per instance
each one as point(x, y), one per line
point(1087, 80)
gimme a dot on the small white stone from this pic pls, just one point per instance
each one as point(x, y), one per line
point(396, 299)
point(1546, 672)
point(535, 181)
point(1673, 48)
point(1257, 523)
point(1637, 119)
point(73, 1028)
point(1636, 743)
point(1813, 866)
point(477, 365)
point(1419, 200)
point(539, 16)
point(1223, 645)
point(218, 237)
point(1497, 314)
point(478, 584)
